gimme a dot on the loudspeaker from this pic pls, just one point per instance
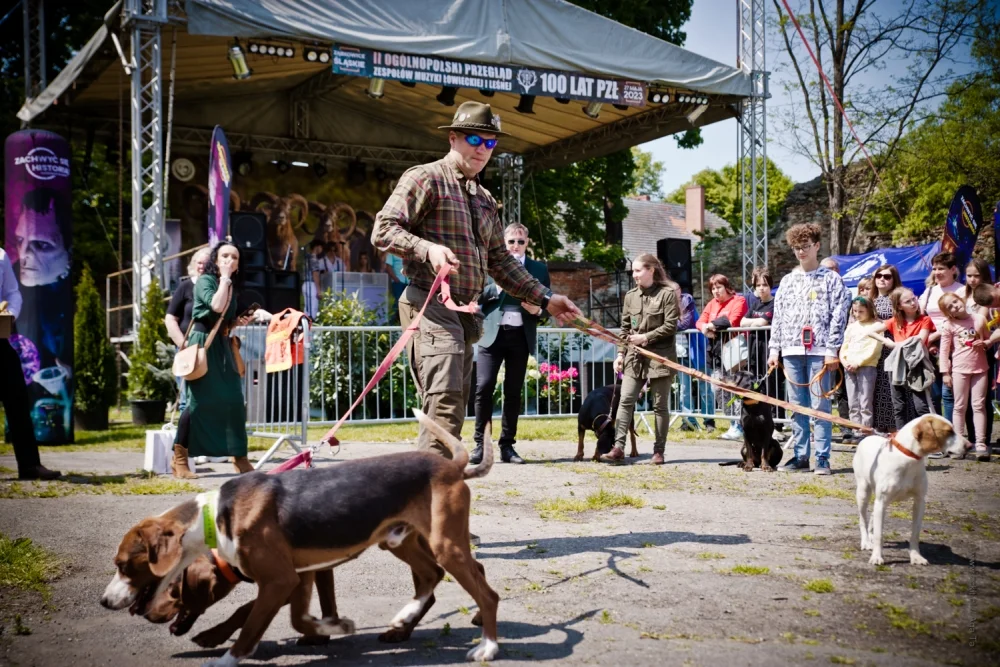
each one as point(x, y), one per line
point(249, 232)
point(254, 289)
point(283, 291)
point(675, 254)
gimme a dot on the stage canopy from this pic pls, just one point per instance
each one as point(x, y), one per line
point(294, 106)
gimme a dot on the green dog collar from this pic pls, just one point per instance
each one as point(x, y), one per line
point(208, 518)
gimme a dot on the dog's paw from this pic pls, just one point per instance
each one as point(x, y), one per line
point(227, 660)
point(210, 638)
point(747, 467)
point(329, 626)
point(578, 457)
point(917, 559)
point(876, 559)
point(477, 620)
point(634, 454)
point(486, 651)
point(866, 545)
point(766, 467)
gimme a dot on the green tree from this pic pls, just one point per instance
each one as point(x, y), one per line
point(95, 378)
point(722, 192)
point(648, 175)
point(149, 376)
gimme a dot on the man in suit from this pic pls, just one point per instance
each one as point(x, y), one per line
point(509, 334)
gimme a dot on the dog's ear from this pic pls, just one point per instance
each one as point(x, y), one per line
point(926, 432)
point(163, 546)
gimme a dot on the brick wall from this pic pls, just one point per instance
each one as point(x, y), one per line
point(573, 280)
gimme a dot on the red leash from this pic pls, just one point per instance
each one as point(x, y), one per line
point(440, 281)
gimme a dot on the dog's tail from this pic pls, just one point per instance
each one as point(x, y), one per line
point(483, 467)
point(460, 455)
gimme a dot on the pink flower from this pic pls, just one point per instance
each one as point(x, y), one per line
point(543, 368)
point(554, 376)
point(572, 389)
point(545, 388)
point(573, 372)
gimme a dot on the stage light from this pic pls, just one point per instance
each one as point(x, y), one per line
point(356, 173)
point(486, 93)
point(525, 104)
point(276, 50)
point(244, 163)
point(696, 114)
point(376, 88)
point(562, 100)
point(593, 109)
point(657, 97)
point(313, 54)
point(282, 166)
point(299, 163)
point(447, 96)
point(320, 169)
point(238, 59)
point(254, 48)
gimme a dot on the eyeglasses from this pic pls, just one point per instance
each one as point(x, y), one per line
point(517, 241)
point(883, 276)
point(802, 248)
point(476, 140)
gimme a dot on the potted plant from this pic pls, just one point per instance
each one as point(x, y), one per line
point(150, 380)
point(95, 378)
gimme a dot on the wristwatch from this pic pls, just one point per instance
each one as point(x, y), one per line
point(545, 299)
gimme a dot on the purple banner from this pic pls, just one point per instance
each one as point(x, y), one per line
point(965, 219)
point(38, 223)
point(220, 179)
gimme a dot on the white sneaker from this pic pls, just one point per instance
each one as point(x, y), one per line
point(778, 435)
point(734, 433)
point(201, 460)
point(217, 459)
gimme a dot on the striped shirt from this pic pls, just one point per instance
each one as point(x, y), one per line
point(432, 204)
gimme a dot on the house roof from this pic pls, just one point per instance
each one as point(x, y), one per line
point(650, 221)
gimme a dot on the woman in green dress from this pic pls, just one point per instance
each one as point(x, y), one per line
point(214, 423)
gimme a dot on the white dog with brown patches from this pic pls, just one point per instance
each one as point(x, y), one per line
point(895, 468)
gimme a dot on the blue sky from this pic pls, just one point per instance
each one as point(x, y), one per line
point(711, 32)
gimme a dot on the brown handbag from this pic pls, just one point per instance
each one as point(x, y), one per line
point(235, 344)
point(191, 363)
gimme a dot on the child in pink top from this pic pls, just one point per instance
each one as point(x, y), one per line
point(963, 364)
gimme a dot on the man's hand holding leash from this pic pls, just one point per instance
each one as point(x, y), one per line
point(439, 256)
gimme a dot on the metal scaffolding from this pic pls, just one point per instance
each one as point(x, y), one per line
point(752, 136)
point(35, 79)
point(511, 169)
point(144, 19)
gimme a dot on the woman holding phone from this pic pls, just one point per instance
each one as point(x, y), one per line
point(214, 423)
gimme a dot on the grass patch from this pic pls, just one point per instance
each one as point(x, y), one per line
point(25, 565)
point(811, 612)
point(557, 508)
point(750, 570)
point(710, 555)
point(137, 484)
point(812, 538)
point(606, 617)
point(822, 491)
point(513, 493)
point(819, 586)
point(900, 619)
point(989, 613)
point(841, 660)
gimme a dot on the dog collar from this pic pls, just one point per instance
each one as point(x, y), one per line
point(225, 568)
point(208, 519)
point(894, 443)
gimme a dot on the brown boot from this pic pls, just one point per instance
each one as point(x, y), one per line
point(179, 464)
point(242, 464)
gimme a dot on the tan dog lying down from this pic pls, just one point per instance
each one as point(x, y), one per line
point(278, 529)
point(895, 468)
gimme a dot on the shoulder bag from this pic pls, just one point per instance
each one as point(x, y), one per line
point(191, 363)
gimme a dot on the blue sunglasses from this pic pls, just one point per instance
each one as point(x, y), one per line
point(476, 140)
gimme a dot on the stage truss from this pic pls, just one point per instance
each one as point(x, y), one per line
point(145, 20)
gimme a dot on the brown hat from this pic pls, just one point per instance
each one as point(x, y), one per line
point(475, 117)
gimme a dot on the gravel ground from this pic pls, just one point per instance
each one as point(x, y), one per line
point(639, 586)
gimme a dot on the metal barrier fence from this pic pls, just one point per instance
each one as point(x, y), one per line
point(277, 403)
point(565, 367)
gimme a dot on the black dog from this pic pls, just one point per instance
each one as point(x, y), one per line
point(760, 449)
point(598, 414)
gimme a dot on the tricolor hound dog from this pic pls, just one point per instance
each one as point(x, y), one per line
point(894, 468)
point(281, 529)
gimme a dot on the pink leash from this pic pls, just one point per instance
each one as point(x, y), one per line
point(441, 281)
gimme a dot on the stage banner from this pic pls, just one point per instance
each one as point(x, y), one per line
point(965, 219)
point(996, 241)
point(220, 179)
point(515, 79)
point(38, 220)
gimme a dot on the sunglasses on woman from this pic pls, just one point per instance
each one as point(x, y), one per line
point(883, 276)
point(476, 140)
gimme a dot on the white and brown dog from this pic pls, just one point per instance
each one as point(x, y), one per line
point(280, 529)
point(895, 468)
